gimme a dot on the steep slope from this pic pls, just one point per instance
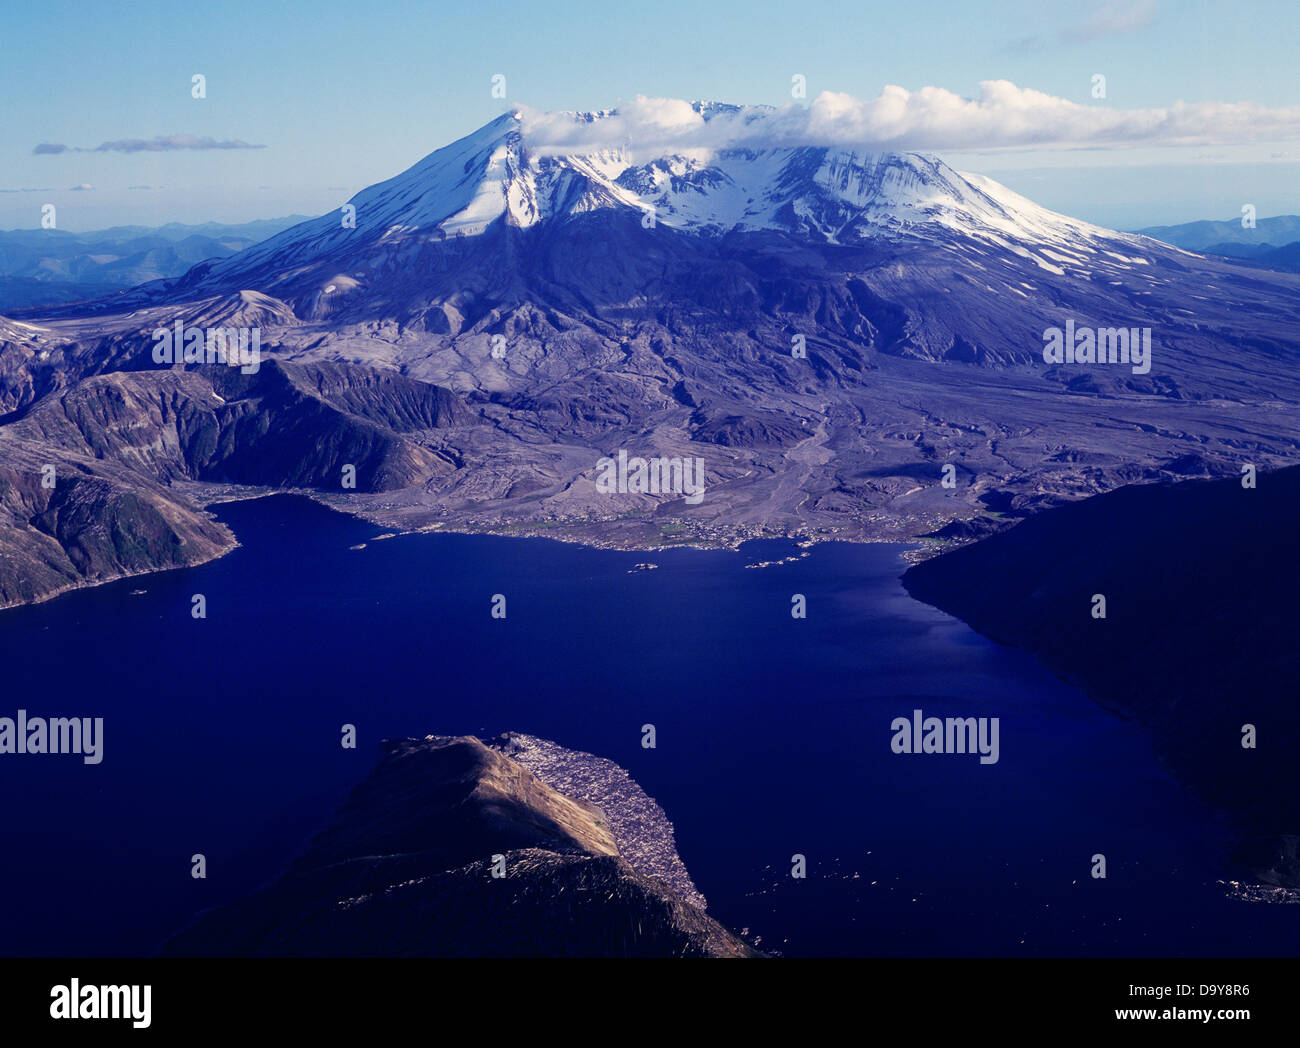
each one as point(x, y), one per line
point(86, 476)
point(98, 522)
point(405, 869)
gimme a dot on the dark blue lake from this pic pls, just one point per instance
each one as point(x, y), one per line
point(221, 736)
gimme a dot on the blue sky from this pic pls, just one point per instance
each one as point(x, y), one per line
point(341, 95)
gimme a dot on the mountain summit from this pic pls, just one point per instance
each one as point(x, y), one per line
point(828, 196)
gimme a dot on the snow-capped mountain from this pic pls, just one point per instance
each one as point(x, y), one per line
point(563, 258)
point(506, 234)
point(824, 328)
point(494, 177)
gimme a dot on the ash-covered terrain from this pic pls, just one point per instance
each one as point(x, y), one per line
point(823, 330)
point(452, 848)
point(640, 826)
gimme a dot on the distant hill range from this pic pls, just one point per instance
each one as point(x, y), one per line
point(1273, 243)
point(1284, 259)
point(46, 266)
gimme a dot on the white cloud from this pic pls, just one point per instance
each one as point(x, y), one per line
point(1004, 116)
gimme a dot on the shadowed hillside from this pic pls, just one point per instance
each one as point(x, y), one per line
point(1199, 636)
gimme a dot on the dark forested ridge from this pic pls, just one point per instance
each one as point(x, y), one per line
point(1199, 638)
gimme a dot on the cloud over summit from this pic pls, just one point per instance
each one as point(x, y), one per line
point(1003, 116)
